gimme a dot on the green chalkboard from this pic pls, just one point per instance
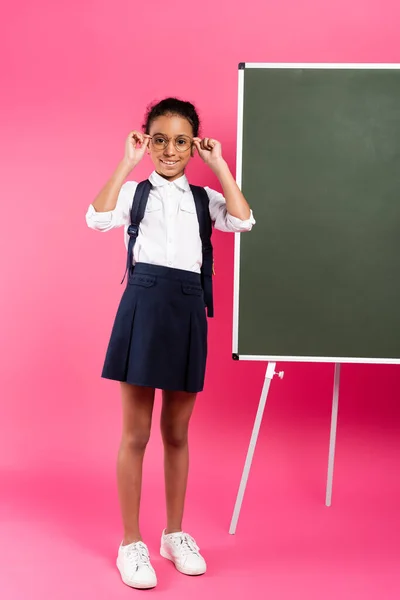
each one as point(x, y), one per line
point(318, 278)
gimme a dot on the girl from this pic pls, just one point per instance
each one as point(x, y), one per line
point(159, 338)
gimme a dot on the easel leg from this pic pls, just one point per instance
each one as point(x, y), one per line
point(253, 440)
point(332, 441)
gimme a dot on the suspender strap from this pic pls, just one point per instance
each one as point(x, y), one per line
point(137, 213)
point(201, 201)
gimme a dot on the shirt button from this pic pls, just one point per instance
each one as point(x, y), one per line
point(170, 263)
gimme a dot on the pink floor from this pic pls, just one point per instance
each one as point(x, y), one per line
point(60, 524)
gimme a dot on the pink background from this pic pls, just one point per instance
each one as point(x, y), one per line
point(76, 77)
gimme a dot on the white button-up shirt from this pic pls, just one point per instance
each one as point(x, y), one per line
point(169, 233)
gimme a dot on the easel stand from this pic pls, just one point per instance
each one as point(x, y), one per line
point(332, 440)
point(269, 375)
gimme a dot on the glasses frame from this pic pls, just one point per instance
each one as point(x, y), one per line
point(168, 140)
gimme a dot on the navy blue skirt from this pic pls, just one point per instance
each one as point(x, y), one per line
point(159, 337)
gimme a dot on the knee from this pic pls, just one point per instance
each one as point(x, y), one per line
point(135, 442)
point(175, 437)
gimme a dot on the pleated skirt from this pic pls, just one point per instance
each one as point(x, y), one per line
point(159, 336)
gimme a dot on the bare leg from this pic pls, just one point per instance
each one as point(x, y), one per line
point(175, 416)
point(137, 410)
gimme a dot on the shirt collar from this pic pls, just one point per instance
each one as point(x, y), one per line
point(157, 181)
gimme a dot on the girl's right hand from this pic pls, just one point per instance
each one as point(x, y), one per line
point(135, 147)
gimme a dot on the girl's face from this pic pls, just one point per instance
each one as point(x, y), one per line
point(171, 145)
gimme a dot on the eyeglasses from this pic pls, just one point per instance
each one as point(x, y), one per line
point(181, 142)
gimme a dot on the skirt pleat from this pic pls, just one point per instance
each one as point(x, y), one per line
point(159, 337)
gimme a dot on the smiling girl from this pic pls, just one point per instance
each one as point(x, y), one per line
point(159, 337)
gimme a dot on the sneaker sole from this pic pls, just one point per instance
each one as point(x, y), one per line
point(165, 554)
point(139, 585)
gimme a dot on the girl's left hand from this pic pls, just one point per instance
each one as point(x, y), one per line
point(209, 150)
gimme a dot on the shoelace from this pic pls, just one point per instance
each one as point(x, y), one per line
point(186, 544)
point(138, 555)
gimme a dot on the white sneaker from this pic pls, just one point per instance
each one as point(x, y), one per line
point(134, 565)
point(183, 551)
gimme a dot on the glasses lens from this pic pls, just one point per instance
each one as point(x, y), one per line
point(183, 143)
point(159, 142)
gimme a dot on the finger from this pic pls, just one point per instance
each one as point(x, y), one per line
point(196, 143)
point(197, 147)
point(137, 137)
point(141, 140)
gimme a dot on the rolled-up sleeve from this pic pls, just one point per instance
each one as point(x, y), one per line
point(120, 216)
point(222, 219)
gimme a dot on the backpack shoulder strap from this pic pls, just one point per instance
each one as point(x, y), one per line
point(202, 202)
point(139, 206)
point(137, 213)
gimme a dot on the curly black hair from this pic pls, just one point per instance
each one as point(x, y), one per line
point(173, 106)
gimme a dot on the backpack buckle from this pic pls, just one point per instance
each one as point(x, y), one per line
point(133, 230)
